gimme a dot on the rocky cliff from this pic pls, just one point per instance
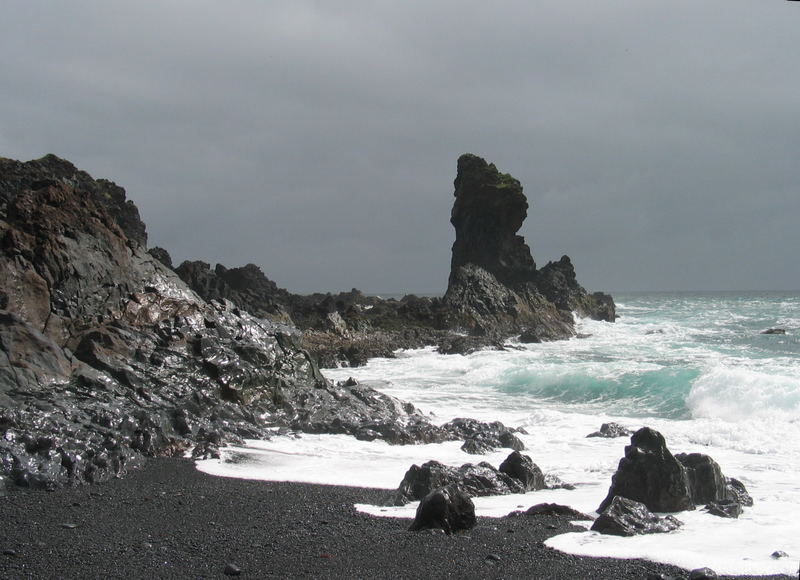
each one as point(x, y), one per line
point(107, 356)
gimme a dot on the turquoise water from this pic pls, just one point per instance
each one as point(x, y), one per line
point(669, 353)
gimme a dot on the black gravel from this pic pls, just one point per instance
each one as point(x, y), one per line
point(170, 521)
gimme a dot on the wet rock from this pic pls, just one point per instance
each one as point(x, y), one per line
point(232, 570)
point(738, 492)
point(107, 356)
point(778, 554)
point(522, 468)
point(774, 331)
point(475, 480)
point(650, 474)
point(724, 509)
point(703, 574)
point(625, 517)
point(481, 437)
point(448, 508)
point(611, 430)
point(706, 481)
point(553, 509)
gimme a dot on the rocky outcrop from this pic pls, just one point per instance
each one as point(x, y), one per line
point(650, 474)
point(106, 356)
point(523, 469)
point(625, 517)
point(494, 287)
point(447, 508)
point(481, 438)
point(664, 482)
point(611, 430)
point(517, 474)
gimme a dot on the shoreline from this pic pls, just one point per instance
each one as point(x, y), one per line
point(169, 520)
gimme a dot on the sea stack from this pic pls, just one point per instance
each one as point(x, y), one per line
point(494, 287)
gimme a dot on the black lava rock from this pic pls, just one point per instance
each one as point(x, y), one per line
point(625, 517)
point(448, 508)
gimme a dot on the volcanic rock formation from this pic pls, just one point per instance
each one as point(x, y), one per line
point(494, 290)
point(107, 356)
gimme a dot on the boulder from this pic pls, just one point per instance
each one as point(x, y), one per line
point(703, 574)
point(481, 437)
point(611, 430)
point(475, 480)
point(650, 474)
point(522, 468)
point(706, 481)
point(626, 517)
point(738, 492)
point(553, 509)
point(725, 508)
point(447, 508)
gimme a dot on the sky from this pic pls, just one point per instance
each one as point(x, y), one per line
point(657, 142)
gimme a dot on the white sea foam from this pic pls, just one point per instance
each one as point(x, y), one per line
point(694, 367)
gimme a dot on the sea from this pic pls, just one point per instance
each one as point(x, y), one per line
point(697, 367)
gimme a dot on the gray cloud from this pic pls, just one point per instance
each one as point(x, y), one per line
point(657, 142)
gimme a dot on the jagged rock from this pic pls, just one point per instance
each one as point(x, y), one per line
point(650, 474)
point(725, 508)
point(107, 356)
point(162, 256)
point(610, 430)
point(738, 492)
point(626, 517)
point(494, 287)
point(481, 438)
point(447, 508)
point(552, 509)
point(522, 468)
point(706, 482)
point(475, 480)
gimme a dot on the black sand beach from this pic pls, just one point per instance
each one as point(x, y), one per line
point(170, 521)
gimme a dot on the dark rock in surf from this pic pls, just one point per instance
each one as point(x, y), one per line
point(738, 492)
point(706, 481)
point(774, 331)
point(475, 480)
point(725, 508)
point(447, 508)
point(480, 437)
point(522, 468)
point(625, 517)
point(650, 474)
point(611, 430)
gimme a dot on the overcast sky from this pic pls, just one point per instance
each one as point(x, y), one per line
point(658, 142)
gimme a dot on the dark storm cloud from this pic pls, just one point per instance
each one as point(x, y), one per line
point(657, 142)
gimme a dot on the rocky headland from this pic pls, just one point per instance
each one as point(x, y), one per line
point(108, 355)
point(494, 292)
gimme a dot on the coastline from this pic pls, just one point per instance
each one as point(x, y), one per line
point(169, 520)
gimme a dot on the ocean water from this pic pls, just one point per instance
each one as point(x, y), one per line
point(694, 366)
